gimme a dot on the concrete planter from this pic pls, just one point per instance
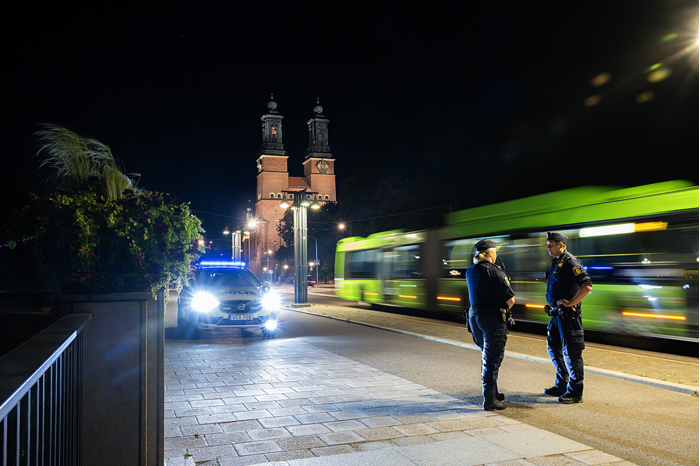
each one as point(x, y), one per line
point(123, 385)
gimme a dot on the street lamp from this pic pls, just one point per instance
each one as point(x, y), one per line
point(235, 243)
point(301, 203)
point(246, 233)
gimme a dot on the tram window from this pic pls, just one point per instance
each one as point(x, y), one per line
point(406, 263)
point(527, 256)
point(457, 257)
point(361, 264)
point(666, 248)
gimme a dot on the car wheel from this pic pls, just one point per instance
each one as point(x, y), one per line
point(182, 324)
point(187, 330)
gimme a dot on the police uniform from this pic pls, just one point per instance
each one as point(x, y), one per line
point(565, 341)
point(489, 289)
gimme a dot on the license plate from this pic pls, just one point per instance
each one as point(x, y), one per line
point(240, 316)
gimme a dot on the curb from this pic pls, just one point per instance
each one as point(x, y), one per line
point(676, 387)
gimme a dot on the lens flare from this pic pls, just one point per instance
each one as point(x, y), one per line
point(659, 75)
point(204, 302)
point(591, 101)
point(644, 97)
point(601, 79)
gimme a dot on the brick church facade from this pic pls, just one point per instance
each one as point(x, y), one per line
point(274, 179)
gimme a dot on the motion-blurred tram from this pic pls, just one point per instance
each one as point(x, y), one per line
point(639, 245)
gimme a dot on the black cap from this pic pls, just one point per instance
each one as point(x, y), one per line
point(484, 244)
point(556, 236)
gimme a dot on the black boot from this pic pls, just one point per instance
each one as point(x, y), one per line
point(554, 391)
point(499, 396)
point(494, 405)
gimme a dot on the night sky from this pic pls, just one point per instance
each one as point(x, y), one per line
point(499, 98)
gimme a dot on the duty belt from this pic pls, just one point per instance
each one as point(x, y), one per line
point(485, 308)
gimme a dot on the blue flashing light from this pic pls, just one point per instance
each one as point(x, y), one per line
point(602, 268)
point(221, 264)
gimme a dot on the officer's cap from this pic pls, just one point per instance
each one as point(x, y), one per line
point(484, 244)
point(556, 236)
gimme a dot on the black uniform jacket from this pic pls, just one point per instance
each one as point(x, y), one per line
point(565, 277)
point(488, 286)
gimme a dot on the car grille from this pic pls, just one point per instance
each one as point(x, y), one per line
point(240, 306)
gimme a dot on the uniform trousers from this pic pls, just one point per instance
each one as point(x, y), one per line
point(565, 345)
point(489, 333)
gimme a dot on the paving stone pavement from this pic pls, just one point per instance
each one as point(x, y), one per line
point(233, 401)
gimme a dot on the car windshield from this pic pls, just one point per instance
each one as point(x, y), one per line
point(226, 278)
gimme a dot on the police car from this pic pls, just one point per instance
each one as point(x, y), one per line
point(226, 294)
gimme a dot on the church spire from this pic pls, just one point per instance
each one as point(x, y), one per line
point(318, 134)
point(272, 130)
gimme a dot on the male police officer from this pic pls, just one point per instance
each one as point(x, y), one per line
point(567, 285)
point(490, 296)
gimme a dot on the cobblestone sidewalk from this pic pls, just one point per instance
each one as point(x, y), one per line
point(240, 401)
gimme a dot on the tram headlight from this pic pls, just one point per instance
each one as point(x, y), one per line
point(204, 302)
point(271, 302)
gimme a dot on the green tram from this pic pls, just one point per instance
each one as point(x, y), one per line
point(639, 245)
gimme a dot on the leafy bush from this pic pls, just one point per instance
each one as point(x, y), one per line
point(97, 232)
point(141, 241)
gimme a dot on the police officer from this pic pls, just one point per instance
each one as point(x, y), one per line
point(490, 296)
point(567, 285)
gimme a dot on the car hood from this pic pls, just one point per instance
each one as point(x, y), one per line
point(236, 292)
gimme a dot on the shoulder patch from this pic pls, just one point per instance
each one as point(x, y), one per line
point(578, 270)
point(505, 279)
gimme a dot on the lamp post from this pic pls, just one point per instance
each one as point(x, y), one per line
point(235, 243)
point(274, 254)
point(316, 262)
point(302, 200)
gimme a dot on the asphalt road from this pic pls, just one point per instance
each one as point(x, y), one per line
point(640, 423)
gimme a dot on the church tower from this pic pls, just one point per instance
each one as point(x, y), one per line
point(273, 179)
point(319, 166)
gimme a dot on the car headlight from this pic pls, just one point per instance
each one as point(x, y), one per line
point(204, 302)
point(271, 324)
point(271, 302)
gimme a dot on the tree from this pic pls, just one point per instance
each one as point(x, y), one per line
point(322, 225)
point(76, 163)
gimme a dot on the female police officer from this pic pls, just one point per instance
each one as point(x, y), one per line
point(490, 296)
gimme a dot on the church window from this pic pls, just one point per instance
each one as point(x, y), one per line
point(289, 196)
point(326, 197)
point(274, 133)
point(279, 196)
point(272, 195)
point(320, 138)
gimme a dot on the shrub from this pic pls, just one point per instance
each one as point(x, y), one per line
point(141, 241)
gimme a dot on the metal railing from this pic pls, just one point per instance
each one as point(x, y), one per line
point(41, 397)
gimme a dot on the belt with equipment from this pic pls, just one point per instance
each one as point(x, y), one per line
point(505, 313)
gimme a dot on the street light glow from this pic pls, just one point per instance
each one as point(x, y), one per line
point(341, 226)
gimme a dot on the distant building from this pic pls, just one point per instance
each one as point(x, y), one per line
point(274, 179)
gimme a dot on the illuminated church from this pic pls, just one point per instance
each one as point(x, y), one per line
point(274, 179)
